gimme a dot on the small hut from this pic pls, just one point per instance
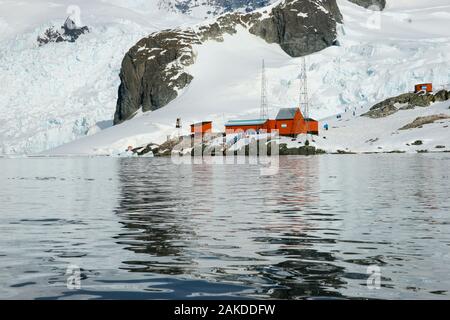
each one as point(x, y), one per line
point(201, 127)
point(423, 87)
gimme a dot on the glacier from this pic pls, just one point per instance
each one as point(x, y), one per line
point(60, 92)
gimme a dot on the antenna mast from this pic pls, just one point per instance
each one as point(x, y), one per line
point(304, 99)
point(264, 111)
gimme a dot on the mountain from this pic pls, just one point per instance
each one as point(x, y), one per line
point(153, 71)
point(377, 55)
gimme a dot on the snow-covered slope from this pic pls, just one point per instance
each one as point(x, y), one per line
point(361, 134)
point(381, 54)
point(59, 92)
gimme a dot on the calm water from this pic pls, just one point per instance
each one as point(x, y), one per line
point(146, 228)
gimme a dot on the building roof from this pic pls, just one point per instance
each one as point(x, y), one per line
point(254, 122)
point(200, 123)
point(286, 113)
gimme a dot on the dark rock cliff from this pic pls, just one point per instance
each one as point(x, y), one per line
point(300, 27)
point(153, 70)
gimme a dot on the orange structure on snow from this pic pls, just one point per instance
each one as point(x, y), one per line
point(288, 122)
point(423, 87)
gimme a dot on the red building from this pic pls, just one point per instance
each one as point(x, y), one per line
point(246, 125)
point(201, 127)
point(423, 87)
point(312, 126)
point(288, 122)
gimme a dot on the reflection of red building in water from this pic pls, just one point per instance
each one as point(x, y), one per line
point(288, 122)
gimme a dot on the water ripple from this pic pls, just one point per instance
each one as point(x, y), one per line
point(146, 228)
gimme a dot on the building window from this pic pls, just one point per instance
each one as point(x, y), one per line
point(284, 125)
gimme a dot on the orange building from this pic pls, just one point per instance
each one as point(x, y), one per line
point(312, 126)
point(288, 122)
point(201, 127)
point(234, 126)
point(423, 87)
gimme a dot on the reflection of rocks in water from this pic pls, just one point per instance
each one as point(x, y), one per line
point(220, 224)
point(304, 273)
point(150, 218)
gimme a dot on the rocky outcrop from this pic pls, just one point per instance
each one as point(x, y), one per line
point(405, 101)
point(299, 151)
point(300, 27)
point(153, 71)
point(421, 121)
point(69, 32)
point(380, 4)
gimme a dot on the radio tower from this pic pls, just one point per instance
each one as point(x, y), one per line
point(264, 111)
point(304, 100)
